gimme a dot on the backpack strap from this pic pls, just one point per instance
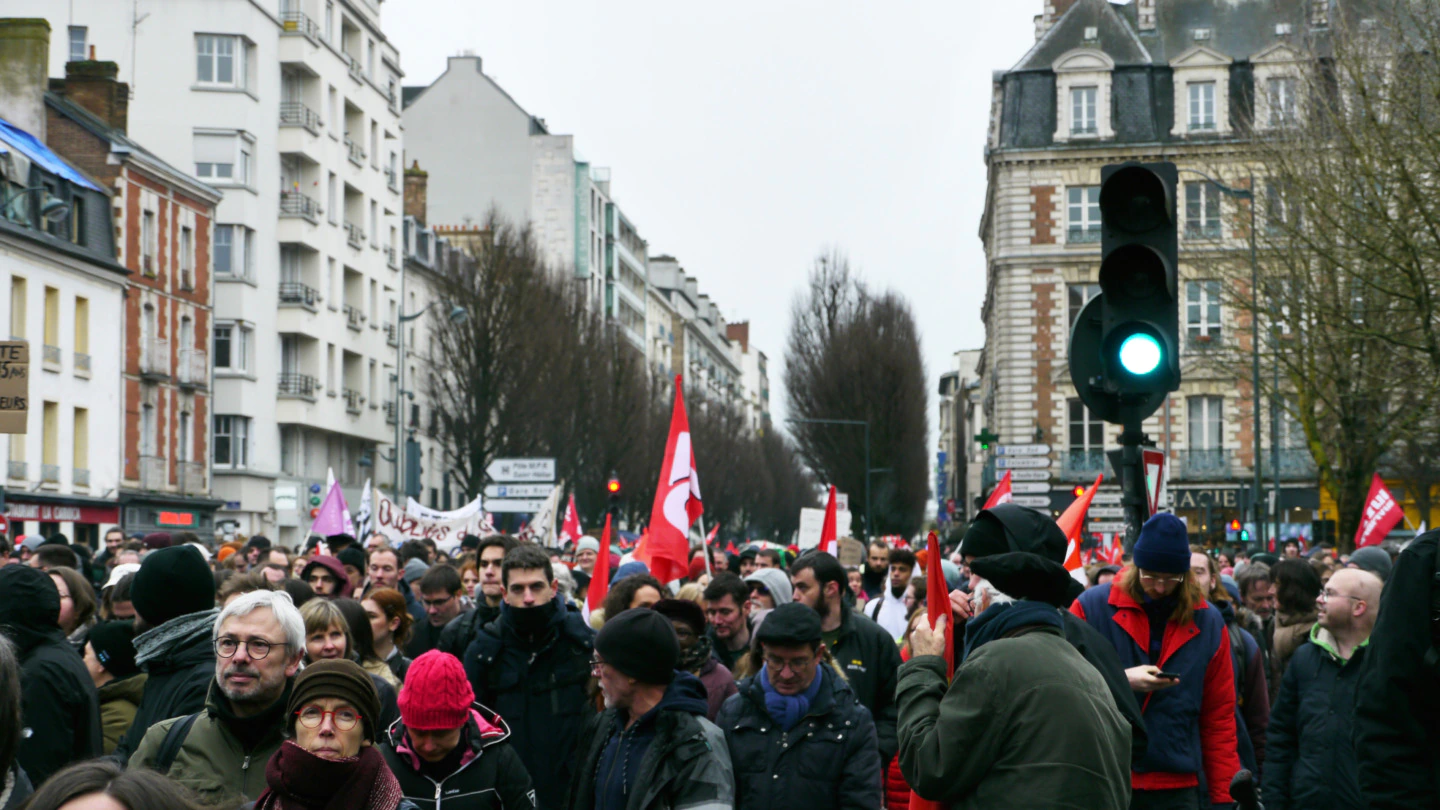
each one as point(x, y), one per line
point(1432, 655)
point(174, 739)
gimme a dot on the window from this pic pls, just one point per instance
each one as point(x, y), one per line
point(183, 442)
point(187, 259)
point(1087, 432)
point(50, 437)
point(52, 316)
point(148, 242)
point(1280, 213)
point(1078, 296)
point(224, 250)
point(1203, 422)
point(223, 157)
point(1202, 106)
point(80, 440)
point(331, 296)
point(147, 429)
point(232, 347)
point(374, 144)
point(1082, 110)
point(17, 308)
point(1202, 312)
point(330, 369)
point(374, 224)
point(1280, 97)
point(1202, 211)
point(1084, 214)
point(334, 112)
point(220, 61)
point(231, 441)
point(77, 43)
point(329, 20)
point(330, 205)
point(370, 57)
point(82, 325)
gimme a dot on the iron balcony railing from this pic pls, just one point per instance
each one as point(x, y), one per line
point(1209, 464)
point(1082, 462)
point(354, 318)
point(154, 472)
point(192, 477)
point(297, 385)
point(81, 476)
point(294, 293)
point(194, 367)
point(50, 473)
point(155, 360)
point(1296, 464)
point(17, 472)
point(296, 114)
point(297, 23)
point(355, 152)
point(353, 401)
point(296, 204)
point(354, 235)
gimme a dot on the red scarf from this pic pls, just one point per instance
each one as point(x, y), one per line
point(300, 780)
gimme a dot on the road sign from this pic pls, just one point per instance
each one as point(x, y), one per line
point(530, 505)
point(1022, 462)
point(1107, 511)
point(1035, 488)
point(1023, 450)
point(1153, 462)
point(1029, 475)
point(521, 470)
point(518, 491)
point(1032, 501)
point(1105, 498)
point(1117, 527)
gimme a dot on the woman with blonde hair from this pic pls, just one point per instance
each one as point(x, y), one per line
point(328, 637)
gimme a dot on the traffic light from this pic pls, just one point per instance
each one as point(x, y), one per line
point(613, 485)
point(1078, 490)
point(1244, 535)
point(1235, 525)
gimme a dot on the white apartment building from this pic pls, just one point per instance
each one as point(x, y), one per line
point(292, 108)
point(754, 376)
point(701, 351)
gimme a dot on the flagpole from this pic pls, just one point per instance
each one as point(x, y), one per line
point(704, 546)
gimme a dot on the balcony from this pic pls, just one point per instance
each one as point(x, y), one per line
point(296, 114)
point(192, 477)
point(1213, 340)
point(392, 179)
point(194, 368)
point(81, 477)
point(392, 257)
point(295, 204)
point(1211, 464)
point(353, 401)
point(355, 72)
point(297, 385)
point(1083, 236)
point(50, 475)
point(354, 235)
point(17, 472)
point(295, 294)
point(355, 152)
point(155, 360)
point(52, 357)
point(1296, 464)
point(1196, 229)
point(354, 318)
point(1082, 463)
point(390, 416)
point(154, 472)
point(390, 334)
point(298, 24)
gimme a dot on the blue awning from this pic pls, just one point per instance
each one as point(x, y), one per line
point(40, 154)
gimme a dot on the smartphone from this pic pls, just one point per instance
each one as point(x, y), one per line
point(1169, 676)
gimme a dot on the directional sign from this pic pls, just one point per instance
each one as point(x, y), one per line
point(518, 491)
point(1103, 497)
point(521, 470)
point(1107, 511)
point(1030, 475)
point(1029, 487)
point(1022, 462)
point(1023, 450)
point(1032, 501)
point(530, 505)
point(1108, 528)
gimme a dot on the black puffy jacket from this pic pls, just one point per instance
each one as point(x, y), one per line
point(828, 760)
point(867, 654)
point(178, 683)
point(490, 775)
point(462, 629)
point(59, 705)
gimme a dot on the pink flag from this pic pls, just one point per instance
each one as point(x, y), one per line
point(1001, 493)
point(331, 519)
point(1380, 516)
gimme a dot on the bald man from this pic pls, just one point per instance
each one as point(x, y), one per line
point(1309, 757)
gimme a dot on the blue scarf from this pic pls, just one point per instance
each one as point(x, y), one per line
point(1000, 619)
point(789, 710)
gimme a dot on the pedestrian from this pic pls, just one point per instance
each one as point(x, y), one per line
point(328, 760)
point(888, 609)
point(652, 748)
point(414, 569)
point(385, 571)
point(440, 591)
point(769, 589)
point(636, 590)
point(727, 610)
point(1312, 759)
point(326, 576)
point(174, 598)
point(60, 706)
point(587, 551)
point(352, 558)
point(362, 641)
point(1374, 559)
point(1252, 694)
point(1297, 586)
point(77, 605)
point(102, 785)
point(390, 625)
point(115, 596)
point(796, 733)
point(1256, 613)
point(449, 751)
point(219, 751)
point(15, 786)
point(110, 658)
point(328, 637)
point(689, 622)
point(1176, 651)
point(747, 559)
point(106, 560)
point(1026, 721)
point(489, 593)
point(536, 640)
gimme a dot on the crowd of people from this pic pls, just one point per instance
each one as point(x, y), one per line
point(168, 672)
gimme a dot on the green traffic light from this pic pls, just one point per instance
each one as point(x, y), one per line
point(1140, 354)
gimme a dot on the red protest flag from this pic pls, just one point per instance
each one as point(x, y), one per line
point(677, 500)
point(1001, 493)
point(937, 604)
point(710, 538)
point(1071, 521)
point(1380, 515)
point(570, 529)
point(600, 577)
point(827, 529)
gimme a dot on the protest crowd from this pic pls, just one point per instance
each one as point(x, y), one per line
point(165, 671)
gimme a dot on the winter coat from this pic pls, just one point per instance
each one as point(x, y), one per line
point(15, 788)
point(828, 760)
point(1027, 722)
point(540, 688)
point(1312, 758)
point(211, 760)
point(489, 777)
point(1252, 693)
point(1190, 725)
point(399, 664)
point(118, 702)
point(685, 766)
point(719, 686)
point(59, 706)
point(1397, 707)
point(461, 630)
point(868, 657)
point(1291, 631)
point(897, 790)
point(177, 685)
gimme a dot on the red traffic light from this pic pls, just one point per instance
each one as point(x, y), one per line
point(1078, 490)
point(1235, 525)
point(613, 486)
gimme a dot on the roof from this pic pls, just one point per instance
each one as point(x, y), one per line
point(40, 155)
point(1115, 37)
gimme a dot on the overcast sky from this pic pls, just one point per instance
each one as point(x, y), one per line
point(745, 137)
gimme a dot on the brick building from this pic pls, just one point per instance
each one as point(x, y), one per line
point(163, 226)
point(1181, 80)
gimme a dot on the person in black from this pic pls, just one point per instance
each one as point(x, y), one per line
point(440, 595)
point(727, 611)
point(461, 630)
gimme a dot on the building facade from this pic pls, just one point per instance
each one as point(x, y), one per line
point(1179, 80)
point(754, 376)
point(699, 349)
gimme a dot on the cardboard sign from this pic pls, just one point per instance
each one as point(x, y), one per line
point(14, 385)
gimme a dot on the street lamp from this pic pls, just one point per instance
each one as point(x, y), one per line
point(868, 471)
point(52, 208)
point(458, 314)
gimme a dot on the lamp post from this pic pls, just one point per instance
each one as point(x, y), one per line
point(866, 424)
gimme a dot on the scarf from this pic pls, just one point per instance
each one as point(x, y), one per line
point(1002, 619)
point(299, 780)
point(180, 631)
point(789, 710)
point(693, 659)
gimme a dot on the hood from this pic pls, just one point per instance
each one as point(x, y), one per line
point(774, 581)
point(1029, 530)
point(335, 567)
point(1227, 610)
point(685, 694)
point(29, 606)
point(1029, 576)
point(484, 729)
point(129, 689)
point(1325, 640)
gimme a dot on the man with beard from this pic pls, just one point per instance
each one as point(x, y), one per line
point(888, 608)
point(221, 752)
point(727, 609)
point(532, 666)
point(877, 569)
point(462, 629)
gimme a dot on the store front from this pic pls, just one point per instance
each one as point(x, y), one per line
point(148, 512)
point(80, 519)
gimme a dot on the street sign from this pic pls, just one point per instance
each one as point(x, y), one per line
point(1107, 511)
point(1117, 527)
point(518, 491)
point(1029, 487)
point(1030, 475)
point(530, 505)
point(14, 385)
point(1105, 498)
point(1153, 462)
point(1032, 501)
point(521, 470)
point(1023, 450)
point(1022, 462)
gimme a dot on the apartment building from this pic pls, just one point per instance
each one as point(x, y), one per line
point(699, 348)
point(754, 376)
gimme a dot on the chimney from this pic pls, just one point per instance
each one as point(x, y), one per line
point(92, 85)
point(1054, 10)
point(1145, 14)
point(416, 180)
point(24, 63)
point(1319, 13)
point(739, 332)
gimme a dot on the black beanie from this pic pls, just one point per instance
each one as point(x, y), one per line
point(984, 537)
point(641, 644)
point(172, 582)
point(114, 645)
point(338, 678)
point(353, 557)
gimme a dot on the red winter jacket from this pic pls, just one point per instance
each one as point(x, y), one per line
point(897, 790)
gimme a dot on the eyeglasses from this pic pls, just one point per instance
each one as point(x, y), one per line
point(1327, 594)
point(595, 664)
point(313, 716)
point(256, 648)
point(777, 665)
point(1163, 579)
point(435, 603)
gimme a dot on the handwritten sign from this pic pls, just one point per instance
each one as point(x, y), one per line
point(399, 525)
point(14, 385)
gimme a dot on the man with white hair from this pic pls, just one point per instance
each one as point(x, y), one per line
point(221, 752)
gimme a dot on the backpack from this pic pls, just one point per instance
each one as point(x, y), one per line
point(174, 739)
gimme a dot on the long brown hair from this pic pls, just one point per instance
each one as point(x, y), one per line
point(1217, 588)
point(1188, 595)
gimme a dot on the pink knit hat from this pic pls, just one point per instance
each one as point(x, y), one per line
point(436, 694)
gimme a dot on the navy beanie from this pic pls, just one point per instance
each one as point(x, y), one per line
point(1164, 545)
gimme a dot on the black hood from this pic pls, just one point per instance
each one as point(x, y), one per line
point(1029, 576)
point(1028, 530)
point(29, 606)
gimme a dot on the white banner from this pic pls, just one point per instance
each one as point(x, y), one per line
point(813, 520)
point(399, 526)
point(420, 510)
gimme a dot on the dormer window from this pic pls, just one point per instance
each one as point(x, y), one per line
point(1082, 110)
point(1202, 93)
point(1082, 95)
point(1202, 106)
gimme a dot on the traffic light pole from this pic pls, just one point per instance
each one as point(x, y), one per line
point(1131, 470)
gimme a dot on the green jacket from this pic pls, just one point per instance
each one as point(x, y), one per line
point(1026, 723)
point(212, 761)
point(118, 702)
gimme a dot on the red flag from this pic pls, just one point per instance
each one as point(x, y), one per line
point(1116, 551)
point(827, 529)
point(730, 547)
point(677, 500)
point(937, 604)
point(1001, 493)
point(570, 529)
point(600, 576)
point(1071, 522)
point(710, 538)
point(1380, 516)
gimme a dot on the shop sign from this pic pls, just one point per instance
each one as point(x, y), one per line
point(58, 513)
point(1199, 498)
